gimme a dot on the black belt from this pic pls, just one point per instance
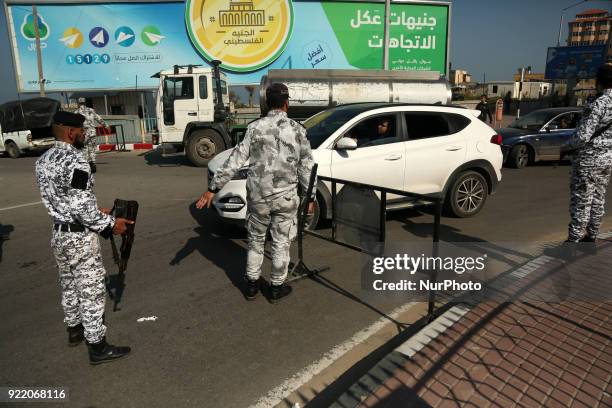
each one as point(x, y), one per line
point(69, 227)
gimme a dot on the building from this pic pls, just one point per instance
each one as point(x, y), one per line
point(459, 76)
point(242, 13)
point(591, 27)
point(530, 77)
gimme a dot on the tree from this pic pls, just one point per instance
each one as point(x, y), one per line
point(251, 90)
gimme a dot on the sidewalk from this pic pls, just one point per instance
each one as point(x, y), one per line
point(527, 353)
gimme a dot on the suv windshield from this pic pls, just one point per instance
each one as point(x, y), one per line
point(320, 126)
point(533, 121)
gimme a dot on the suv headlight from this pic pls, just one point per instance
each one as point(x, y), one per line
point(241, 174)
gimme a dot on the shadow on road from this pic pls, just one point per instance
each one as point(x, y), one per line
point(5, 232)
point(215, 241)
point(154, 158)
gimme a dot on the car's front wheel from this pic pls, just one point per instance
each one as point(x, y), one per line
point(467, 195)
point(519, 157)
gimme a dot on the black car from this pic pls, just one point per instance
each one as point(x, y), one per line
point(538, 135)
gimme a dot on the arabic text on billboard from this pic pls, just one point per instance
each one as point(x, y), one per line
point(120, 45)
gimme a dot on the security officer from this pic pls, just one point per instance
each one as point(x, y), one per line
point(92, 120)
point(592, 163)
point(279, 158)
point(66, 188)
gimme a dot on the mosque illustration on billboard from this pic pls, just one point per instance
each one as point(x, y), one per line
point(241, 13)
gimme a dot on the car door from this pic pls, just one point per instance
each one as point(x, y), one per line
point(379, 161)
point(555, 134)
point(435, 147)
point(179, 106)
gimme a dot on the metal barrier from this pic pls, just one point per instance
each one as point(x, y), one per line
point(108, 132)
point(300, 269)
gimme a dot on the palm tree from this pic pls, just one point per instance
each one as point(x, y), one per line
point(251, 90)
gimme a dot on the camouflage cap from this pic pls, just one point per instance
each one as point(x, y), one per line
point(70, 119)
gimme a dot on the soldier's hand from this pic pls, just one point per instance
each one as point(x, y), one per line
point(120, 226)
point(311, 207)
point(205, 200)
point(106, 210)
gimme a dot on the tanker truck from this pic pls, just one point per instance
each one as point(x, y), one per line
point(192, 118)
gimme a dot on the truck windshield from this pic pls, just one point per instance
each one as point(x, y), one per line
point(320, 126)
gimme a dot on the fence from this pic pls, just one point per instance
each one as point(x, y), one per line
point(300, 268)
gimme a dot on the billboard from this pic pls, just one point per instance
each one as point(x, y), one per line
point(110, 46)
point(574, 62)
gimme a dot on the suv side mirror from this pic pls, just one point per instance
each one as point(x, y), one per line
point(551, 127)
point(346, 143)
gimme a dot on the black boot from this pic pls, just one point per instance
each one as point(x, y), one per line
point(76, 335)
point(252, 289)
point(92, 166)
point(588, 245)
point(277, 292)
point(103, 352)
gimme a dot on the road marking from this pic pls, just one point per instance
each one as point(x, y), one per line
point(20, 206)
point(290, 385)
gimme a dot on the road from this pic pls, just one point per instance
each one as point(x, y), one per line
point(209, 347)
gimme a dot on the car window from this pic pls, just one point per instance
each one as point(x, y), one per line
point(376, 131)
point(533, 121)
point(567, 121)
point(423, 125)
point(321, 126)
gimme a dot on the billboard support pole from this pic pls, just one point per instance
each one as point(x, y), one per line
point(386, 47)
point(106, 103)
point(41, 78)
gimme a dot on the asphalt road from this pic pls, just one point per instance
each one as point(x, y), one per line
point(209, 347)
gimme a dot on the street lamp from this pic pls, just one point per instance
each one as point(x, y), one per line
point(561, 22)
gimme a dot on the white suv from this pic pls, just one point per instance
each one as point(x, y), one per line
point(425, 149)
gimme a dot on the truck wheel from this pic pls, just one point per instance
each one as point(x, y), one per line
point(12, 150)
point(203, 145)
point(467, 195)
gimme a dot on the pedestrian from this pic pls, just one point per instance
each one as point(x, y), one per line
point(279, 158)
point(591, 163)
point(92, 121)
point(507, 102)
point(484, 109)
point(66, 188)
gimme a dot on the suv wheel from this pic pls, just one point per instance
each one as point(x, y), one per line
point(519, 156)
point(12, 150)
point(202, 146)
point(313, 219)
point(467, 195)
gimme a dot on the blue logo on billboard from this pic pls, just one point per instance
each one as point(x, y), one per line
point(98, 37)
point(124, 36)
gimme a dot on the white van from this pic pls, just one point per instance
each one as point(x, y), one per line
point(25, 126)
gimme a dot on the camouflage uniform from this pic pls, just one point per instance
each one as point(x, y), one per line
point(92, 120)
point(66, 188)
point(279, 158)
point(591, 168)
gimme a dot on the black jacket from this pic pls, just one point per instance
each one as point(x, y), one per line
point(484, 112)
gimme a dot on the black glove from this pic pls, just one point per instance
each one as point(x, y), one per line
point(93, 167)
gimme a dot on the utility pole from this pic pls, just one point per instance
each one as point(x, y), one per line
point(41, 78)
point(520, 95)
point(386, 38)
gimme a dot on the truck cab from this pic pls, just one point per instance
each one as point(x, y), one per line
point(189, 114)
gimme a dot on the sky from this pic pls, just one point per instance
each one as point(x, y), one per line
point(488, 37)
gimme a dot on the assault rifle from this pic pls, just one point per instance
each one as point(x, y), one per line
point(122, 209)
